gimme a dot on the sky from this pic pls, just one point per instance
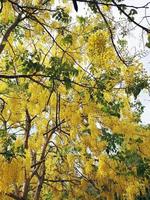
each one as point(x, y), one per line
point(135, 42)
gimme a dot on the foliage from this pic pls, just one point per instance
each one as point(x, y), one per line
point(69, 110)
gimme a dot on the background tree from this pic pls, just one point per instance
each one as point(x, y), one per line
point(69, 116)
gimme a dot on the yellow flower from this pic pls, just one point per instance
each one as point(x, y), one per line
point(102, 167)
point(3, 87)
point(35, 2)
point(18, 142)
point(106, 8)
point(107, 96)
point(88, 167)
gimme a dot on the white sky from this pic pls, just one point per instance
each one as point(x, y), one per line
point(135, 41)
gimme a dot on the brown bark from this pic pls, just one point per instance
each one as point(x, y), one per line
point(27, 129)
point(40, 182)
point(8, 32)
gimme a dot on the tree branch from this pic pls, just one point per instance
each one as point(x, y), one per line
point(8, 32)
point(110, 4)
point(61, 180)
point(27, 128)
point(130, 18)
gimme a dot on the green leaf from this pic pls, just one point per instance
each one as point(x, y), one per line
point(61, 15)
point(67, 82)
point(68, 39)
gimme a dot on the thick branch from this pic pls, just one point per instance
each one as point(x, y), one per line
point(40, 183)
point(27, 129)
point(26, 188)
point(8, 32)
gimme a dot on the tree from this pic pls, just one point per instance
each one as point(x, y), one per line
point(69, 115)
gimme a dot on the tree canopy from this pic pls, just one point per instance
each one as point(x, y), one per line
point(70, 117)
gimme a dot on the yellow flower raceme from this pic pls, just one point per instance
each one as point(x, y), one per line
point(99, 52)
point(7, 178)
